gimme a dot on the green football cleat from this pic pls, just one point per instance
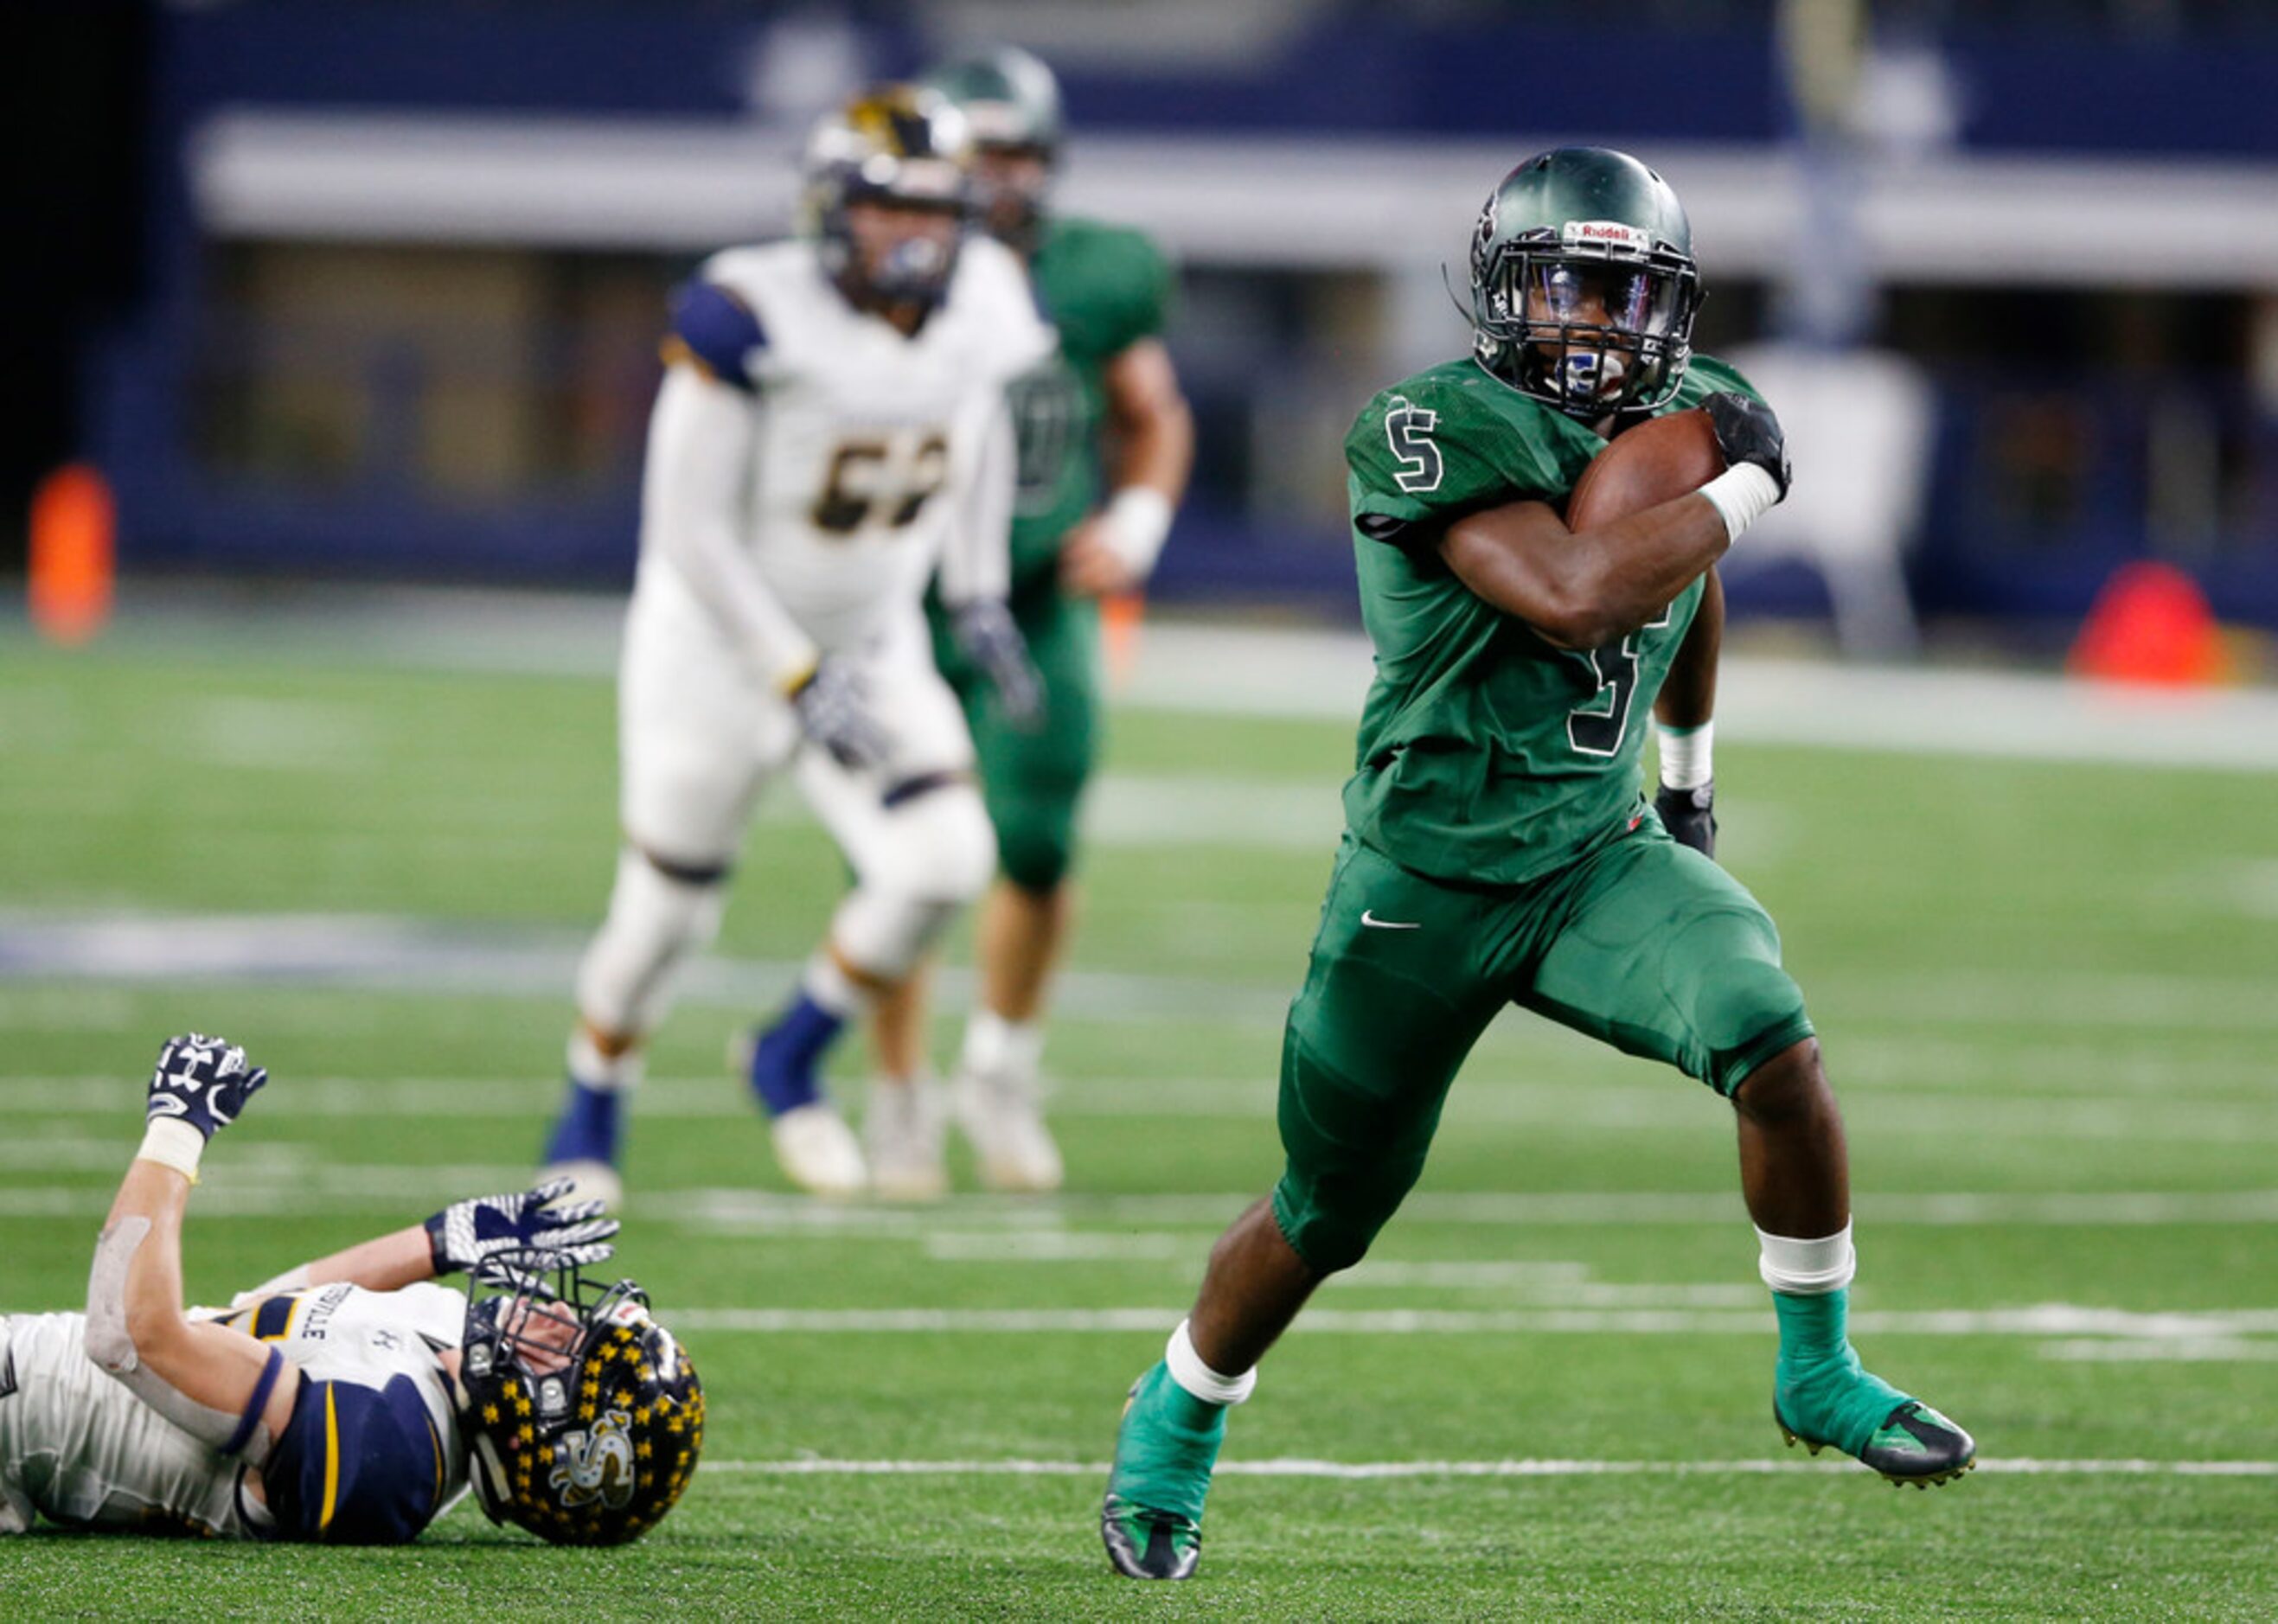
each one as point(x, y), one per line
point(1152, 1519)
point(1915, 1444)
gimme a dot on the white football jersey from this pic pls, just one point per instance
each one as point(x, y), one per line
point(77, 1447)
point(862, 438)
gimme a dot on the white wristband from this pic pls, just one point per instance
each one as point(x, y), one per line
point(1138, 522)
point(1684, 751)
point(171, 1143)
point(1741, 496)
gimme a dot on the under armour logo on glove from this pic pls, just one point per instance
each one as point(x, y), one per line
point(987, 633)
point(204, 1081)
point(834, 712)
point(470, 1232)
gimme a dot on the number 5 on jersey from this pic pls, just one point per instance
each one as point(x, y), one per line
point(1408, 427)
point(1598, 727)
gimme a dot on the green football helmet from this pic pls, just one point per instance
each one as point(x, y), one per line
point(1012, 103)
point(1583, 285)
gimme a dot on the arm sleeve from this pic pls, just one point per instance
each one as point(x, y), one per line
point(717, 331)
point(692, 495)
point(1147, 285)
point(977, 559)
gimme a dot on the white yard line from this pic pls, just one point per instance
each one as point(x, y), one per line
point(1349, 1470)
point(407, 954)
point(254, 1187)
point(2045, 1320)
point(1658, 1107)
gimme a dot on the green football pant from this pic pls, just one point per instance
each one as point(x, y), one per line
point(1641, 944)
point(1033, 780)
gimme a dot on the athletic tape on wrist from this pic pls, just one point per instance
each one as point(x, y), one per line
point(1138, 519)
point(1685, 754)
point(171, 1143)
point(1189, 1371)
point(1741, 496)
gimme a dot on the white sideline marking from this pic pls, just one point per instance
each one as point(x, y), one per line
point(1324, 674)
point(2018, 1467)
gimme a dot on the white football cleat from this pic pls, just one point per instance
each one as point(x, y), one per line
point(1002, 1115)
point(589, 1181)
point(817, 1151)
point(902, 1132)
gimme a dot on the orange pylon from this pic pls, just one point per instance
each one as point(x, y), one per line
point(2151, 624)
point(73, 563)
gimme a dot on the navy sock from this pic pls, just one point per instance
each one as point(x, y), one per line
point(787, 1061)
point(587, 1128)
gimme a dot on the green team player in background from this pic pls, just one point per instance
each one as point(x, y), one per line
point(1081, 532)
point(1498, 848)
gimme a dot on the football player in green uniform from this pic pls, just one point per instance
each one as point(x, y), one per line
point(1104, 444)
point(1497, 846)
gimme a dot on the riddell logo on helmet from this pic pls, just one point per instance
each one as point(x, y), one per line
point(1607, 234)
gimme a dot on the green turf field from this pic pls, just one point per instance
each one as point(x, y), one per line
point(2050, 998)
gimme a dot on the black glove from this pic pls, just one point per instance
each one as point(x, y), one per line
point(1746, 431)
point(470, 1232)
point(833, 713)
point(1688, 816)
point(985, 632)
point(204, 1081)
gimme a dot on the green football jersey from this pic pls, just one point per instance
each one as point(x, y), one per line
point(1487, 754)
point(1105, 288)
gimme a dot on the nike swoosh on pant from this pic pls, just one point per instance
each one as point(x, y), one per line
point(1370, 920)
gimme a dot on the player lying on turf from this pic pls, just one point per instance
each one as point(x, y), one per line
point(349, 1400)
point(830, 426)
point(1497, 849)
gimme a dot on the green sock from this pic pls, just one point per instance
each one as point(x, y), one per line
point(1166, 1448)
point(1821, 1390)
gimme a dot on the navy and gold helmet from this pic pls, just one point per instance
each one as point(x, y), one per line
point(1583, 285)
point(584, 1415)
point(895, 144)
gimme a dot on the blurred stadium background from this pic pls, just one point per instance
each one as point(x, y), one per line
point(353, 311)
point(376, 295)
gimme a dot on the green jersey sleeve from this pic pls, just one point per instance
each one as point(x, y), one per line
point(1438, 445)
point(1107, 287)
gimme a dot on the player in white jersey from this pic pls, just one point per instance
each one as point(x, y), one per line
point(335, 1402)
point(830, 429)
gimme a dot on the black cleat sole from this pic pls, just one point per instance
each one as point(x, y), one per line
point(1938, 1477)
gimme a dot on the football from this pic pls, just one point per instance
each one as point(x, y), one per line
point(1659, 461)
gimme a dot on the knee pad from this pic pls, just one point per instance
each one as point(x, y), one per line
point(1332, 1222)
point(1036, 842)
point(657, 920)
point(937, 846)
point(884, 933)
point(1745, 1011)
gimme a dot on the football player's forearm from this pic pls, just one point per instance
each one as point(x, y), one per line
point(148, 1293)
point(1581, 590)
point(692, 490)
point(384, 1263)
point(977, 559)
point(1688, 696)
point(1154, 426)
